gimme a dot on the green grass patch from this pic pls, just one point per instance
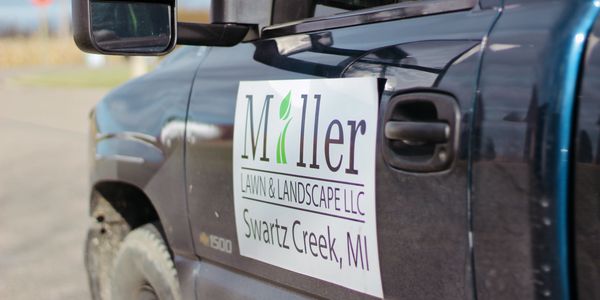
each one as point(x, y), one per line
point(106, 77)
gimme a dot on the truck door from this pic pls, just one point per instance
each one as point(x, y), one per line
point(586, 171)
point(427, 55)
point(526, 148)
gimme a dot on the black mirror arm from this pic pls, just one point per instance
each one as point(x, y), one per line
point(224, 35)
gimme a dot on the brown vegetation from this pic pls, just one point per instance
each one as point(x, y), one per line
point(193, 16)
point(35, 50)
point(24, 51)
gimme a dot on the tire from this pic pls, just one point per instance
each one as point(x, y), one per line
point(143, 268)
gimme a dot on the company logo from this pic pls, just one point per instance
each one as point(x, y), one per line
point(304, 179)
point(256, 135)
point(284, 113)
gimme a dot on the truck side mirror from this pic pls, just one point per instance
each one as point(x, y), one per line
point(130, 27)
point(150, 27)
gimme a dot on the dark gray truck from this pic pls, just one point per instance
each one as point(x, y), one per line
point(347, 149)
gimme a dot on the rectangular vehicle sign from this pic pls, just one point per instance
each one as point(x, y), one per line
point(304, 178)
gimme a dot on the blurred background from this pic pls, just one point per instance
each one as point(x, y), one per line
point(47, 88)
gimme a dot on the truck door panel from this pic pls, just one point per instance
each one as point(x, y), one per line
point(520, 214)
point(586, 169)
point(422, 218)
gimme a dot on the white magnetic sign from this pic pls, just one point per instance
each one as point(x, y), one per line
point(304, 178)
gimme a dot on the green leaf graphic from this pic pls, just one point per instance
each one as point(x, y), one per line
point(284, 113)
point(279, 149)
point(281, 157)
point(285, 107)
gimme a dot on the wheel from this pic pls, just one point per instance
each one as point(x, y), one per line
point(143, 268)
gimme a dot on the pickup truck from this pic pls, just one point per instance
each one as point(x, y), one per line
point(347, 149)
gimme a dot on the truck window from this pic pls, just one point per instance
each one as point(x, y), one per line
point(293, 10)
point(356, 4)
point(322, 14)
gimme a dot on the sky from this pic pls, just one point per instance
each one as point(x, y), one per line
point(23, 15)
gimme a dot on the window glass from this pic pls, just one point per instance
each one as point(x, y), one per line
point(325, 8)
point(356, 4)
point(292, 10)
point(297, 16)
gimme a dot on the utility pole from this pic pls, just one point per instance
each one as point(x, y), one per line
point(43, 28)
point(65, 21)
point(43, 9)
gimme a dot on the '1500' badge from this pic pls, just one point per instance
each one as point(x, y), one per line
point(304, 178)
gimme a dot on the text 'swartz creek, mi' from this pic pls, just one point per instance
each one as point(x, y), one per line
point(321, 245)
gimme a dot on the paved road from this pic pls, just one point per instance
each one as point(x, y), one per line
point(43, 191)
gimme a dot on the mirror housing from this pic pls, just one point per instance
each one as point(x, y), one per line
point(255, 12)
point(130, 27)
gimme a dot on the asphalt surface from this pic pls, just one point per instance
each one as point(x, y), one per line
point(43, 191)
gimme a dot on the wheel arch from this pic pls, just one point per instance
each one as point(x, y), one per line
point(128, 200)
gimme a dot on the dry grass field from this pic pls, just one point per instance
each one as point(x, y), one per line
point(195, 16)
point(56, 63)
point(37, 50)
point(34, 51)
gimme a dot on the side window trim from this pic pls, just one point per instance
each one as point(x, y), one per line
point(366, 16)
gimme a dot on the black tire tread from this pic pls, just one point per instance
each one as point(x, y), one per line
point(145, 249)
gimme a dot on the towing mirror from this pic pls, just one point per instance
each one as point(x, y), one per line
point(150, 27)
point(130, 27)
